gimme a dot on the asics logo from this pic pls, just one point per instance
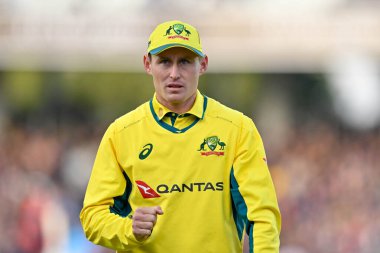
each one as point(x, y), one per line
point(147, 149)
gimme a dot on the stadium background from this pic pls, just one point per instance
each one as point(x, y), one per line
point(307, 72)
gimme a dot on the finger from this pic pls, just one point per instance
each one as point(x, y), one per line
point(142, 231)
point(158, 210)
point(143, 225)
point(145, 217)
point(146, 210)
point(142, 234)
point(141, 238)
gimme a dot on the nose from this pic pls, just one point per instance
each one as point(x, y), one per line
point(174, 73)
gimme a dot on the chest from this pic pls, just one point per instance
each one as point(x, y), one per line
point(203, 153)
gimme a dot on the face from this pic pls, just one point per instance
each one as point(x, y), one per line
point(175, 74)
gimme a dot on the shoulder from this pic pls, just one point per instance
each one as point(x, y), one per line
point(131, 118)
point(219, 111)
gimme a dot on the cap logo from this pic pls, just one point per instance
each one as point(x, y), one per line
point(178, 28)
point(173, 34)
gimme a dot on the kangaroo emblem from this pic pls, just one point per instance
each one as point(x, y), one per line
point(222, 145)
point(202, 147)
point(145, 189)
point(168, 31)
point(187, 32)
point(210, 146)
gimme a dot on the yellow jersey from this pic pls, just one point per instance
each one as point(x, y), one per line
point(206, 169)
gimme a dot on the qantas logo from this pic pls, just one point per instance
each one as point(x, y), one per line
point(197, 187)
point(146, 191)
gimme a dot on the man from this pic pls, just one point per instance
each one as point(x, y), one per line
point(182, 172)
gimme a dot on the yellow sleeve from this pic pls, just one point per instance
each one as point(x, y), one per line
point(105, 210)
point(255, 202)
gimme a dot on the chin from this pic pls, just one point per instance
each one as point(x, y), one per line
point(175, 98)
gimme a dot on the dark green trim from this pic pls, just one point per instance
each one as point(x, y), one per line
point(250, 236)
point(190, 126)
point(205, 101)
point(239, 207)
point(172, 128)
point(121, 204)
point(184, 115)
point(173, 117)
point(161, 123)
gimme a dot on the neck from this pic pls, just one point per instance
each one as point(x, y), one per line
point(180, 107)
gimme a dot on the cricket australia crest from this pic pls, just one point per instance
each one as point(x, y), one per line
point(178, 29)
point(210, 145)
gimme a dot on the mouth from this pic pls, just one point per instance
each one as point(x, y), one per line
point(174, 86)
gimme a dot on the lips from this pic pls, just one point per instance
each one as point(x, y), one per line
point(174, 85)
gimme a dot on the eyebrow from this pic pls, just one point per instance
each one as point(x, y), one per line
point(162, 57)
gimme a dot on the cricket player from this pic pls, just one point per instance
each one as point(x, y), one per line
point(182, 172)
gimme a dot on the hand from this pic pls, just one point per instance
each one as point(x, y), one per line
point(144, 220)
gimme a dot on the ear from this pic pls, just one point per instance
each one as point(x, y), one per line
point(148, 64)
point(204, 64)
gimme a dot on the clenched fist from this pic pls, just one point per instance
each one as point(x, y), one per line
point(144, 220)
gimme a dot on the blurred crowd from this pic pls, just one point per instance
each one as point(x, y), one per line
point(327, 182)
point(43, 175)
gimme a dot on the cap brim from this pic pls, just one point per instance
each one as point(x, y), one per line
point(165, 47)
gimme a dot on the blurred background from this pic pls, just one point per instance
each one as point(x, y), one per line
point(307, 73)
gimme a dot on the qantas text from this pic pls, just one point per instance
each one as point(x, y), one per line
point(191, 187)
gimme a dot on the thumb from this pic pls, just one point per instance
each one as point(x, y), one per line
point(159, 210)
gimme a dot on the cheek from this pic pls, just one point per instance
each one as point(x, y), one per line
point(160, 74)
point(194, 75)
point(157, 77)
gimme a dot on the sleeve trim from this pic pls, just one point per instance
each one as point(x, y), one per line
point(239, 208)
point(121, 204)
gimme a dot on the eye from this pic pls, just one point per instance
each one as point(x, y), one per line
point(163, 61)
point(184, 61)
